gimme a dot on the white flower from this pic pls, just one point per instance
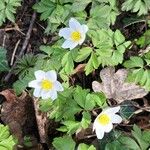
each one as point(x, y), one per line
point(74, 35)
point(46, 84)
point(104, 121)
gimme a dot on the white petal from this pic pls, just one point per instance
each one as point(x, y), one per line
point(37, 92)
point(108, 127)
point(112, 110)
point(82, 40)
point(65, 32)
point(85, 28)
point(39, 74)
point(116, 119)
point(34, 84)
point(51, 75)
point(45, 94)
point(53, 94)
point(69, 44)
point(58, 86)
point(74, 24)
point(99, 133)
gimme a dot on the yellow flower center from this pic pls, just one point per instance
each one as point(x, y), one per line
point(46, 84)
point(104, 119)
point(75, 36)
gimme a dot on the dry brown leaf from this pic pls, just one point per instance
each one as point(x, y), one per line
point(114, 86)
point(18, 113)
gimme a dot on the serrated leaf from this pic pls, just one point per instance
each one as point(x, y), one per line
point(83, 146)
point(129, 143)
point(64, 143)
point(83, 54)
point(118, 38)
point(7, 142)
point(80, 5)
point(89, 103)
point(134, 62)
point(86, 119)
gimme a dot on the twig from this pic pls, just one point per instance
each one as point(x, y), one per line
point(26, 41)
point(41, 119)
point(4, 39)
point(14, 52)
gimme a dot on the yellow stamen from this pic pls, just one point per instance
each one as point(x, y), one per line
point(104, 119)
point(75, 36)
point(46, 84)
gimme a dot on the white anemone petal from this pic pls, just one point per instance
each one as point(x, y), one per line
point(116, 119)
point(53, 94)
point(99, 133)
point(82, 40)
point(108, 127)
point(65, 32)
point(51, 75)
point(84, 28)
point(74, 24)
point(69, 44)
point(112, 110)
point(34, 84)
point(58, 86)
point(37, 92)
point(39, 74)
point(45, 94)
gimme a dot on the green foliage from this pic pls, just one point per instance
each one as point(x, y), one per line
point(64, 143)
point(83, 146)
point(127, 110)
point(7, 142)
point(56, 13)
point(138, 71)
point(76, 100)
point(3, 60)
point(117, 141)
point(8, 9)
point(108, 50)
point(25, 64)
point(102, 14)
point(144, 40)
point(140, 6)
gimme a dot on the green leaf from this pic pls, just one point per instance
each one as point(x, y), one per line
point(99, 98)
point(64, 143)
point(129, 143)
point(127, 109)
point(92, 64)
point(8, 9)
point(139, 6)
point(83, 54)
point(146, 136)
point(71, 126)
point(89, 103)
point(79, 5)
point(7, 142)
point(134, 62)
point(118, 38)
point(3, 60)
point(67, 63)
point(86, 119)
point(47, 49)
point(83, 146)
point(80, 96)
point(115, 145)
point(137, 133)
